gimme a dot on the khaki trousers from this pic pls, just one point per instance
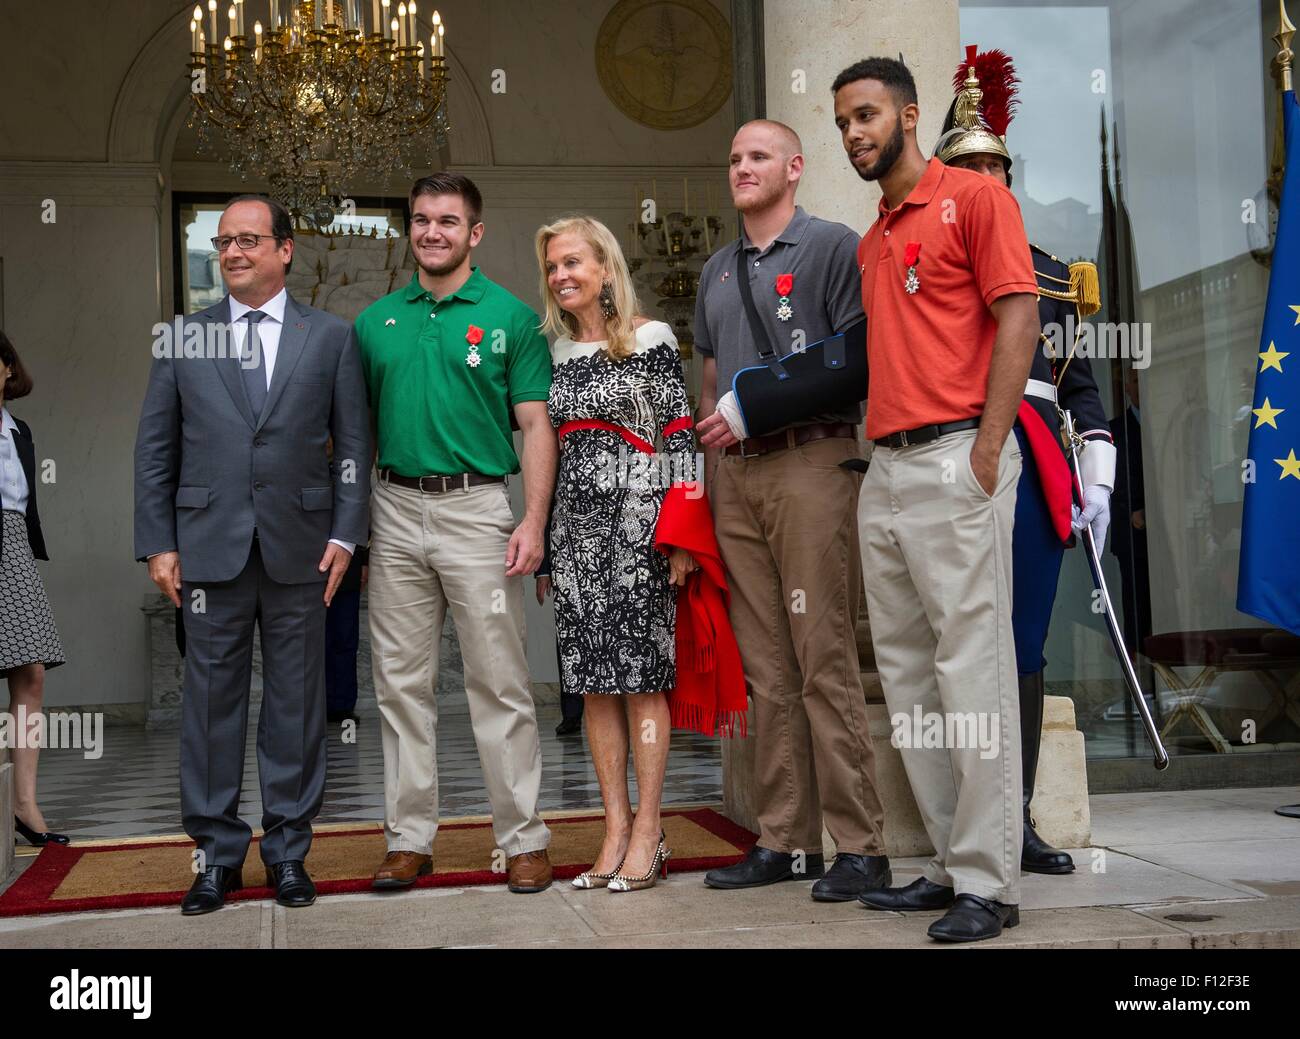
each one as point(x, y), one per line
point(428, 553)
point(787, 529)
point(937, 552)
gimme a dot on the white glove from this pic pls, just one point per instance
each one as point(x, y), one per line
point(1095, 514)
point(730, 411)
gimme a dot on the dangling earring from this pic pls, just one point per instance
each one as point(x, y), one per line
point(607, 308)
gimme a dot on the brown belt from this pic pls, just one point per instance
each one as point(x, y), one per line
point(752, 447)
point(438, 484)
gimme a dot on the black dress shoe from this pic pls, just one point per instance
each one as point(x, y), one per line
point(762, 866)
point(293, 887)
point(850, 875)
point(569, 726)
point(973, 919)
point(36, 839)
point(920, 895)
point(1040, 857)
point(209, 890)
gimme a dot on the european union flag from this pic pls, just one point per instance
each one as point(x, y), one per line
point(1268, 585)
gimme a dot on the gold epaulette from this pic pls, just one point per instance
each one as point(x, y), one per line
point(1083, 288)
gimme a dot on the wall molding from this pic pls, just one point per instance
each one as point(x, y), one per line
point(23, 181)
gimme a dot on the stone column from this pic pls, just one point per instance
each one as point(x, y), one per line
point(808, 42)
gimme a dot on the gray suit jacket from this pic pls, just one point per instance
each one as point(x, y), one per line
point(208, 471)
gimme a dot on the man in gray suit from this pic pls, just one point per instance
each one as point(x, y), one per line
point(243, 517)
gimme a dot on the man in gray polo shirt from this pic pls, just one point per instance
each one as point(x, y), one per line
point(785, 509)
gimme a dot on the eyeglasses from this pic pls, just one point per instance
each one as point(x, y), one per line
point(244, 241)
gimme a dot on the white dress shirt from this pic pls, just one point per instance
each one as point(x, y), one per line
point(268, 329)
point(13, 481)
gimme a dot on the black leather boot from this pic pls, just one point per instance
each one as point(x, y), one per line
point(1037, 856)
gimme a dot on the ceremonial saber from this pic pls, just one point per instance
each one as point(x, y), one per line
point(1112, 621)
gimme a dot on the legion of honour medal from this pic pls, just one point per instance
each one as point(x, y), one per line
point(911, 258)
point(474, 336)
point(784, 285)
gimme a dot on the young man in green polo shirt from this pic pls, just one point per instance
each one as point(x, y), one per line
point(446, 359)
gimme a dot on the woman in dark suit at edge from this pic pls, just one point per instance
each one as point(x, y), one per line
point(29, 641)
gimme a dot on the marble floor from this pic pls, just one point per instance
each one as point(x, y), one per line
point(133, 789)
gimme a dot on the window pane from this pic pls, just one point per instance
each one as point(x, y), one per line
point(1143, 139)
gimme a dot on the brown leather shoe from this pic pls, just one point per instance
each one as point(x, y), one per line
point(400, 868)
point(530, 872)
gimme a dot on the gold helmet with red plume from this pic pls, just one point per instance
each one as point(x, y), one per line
point(983, 108)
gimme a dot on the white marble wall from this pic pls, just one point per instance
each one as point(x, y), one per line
point(80, 296)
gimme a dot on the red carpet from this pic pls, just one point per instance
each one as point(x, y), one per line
point(67, 879)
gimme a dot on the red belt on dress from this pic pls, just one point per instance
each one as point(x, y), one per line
point(675, 426)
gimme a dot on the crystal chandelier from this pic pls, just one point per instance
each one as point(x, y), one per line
point(317, 97)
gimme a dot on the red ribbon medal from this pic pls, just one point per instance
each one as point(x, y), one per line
point(784, 285)
point(911, 257)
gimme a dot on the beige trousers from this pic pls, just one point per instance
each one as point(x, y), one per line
point(787, 526)
point(429, 553)
point(936, 551)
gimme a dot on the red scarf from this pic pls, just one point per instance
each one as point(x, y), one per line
point(710, 693)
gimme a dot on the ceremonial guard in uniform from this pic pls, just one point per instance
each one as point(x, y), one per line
point(974, 138)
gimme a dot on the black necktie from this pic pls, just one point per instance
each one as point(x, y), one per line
point(253, 365)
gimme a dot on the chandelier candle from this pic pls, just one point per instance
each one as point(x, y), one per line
point(310, 110)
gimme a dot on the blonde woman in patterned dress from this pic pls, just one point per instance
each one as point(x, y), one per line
point(616, 386)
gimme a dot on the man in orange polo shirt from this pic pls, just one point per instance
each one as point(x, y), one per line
point(950, 296)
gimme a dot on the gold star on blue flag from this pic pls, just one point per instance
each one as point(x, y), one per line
point(1268, 583)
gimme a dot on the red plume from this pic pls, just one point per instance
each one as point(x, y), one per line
point(998, 81)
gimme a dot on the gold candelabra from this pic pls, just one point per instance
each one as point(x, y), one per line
point(317, 97)
point(679, 242)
